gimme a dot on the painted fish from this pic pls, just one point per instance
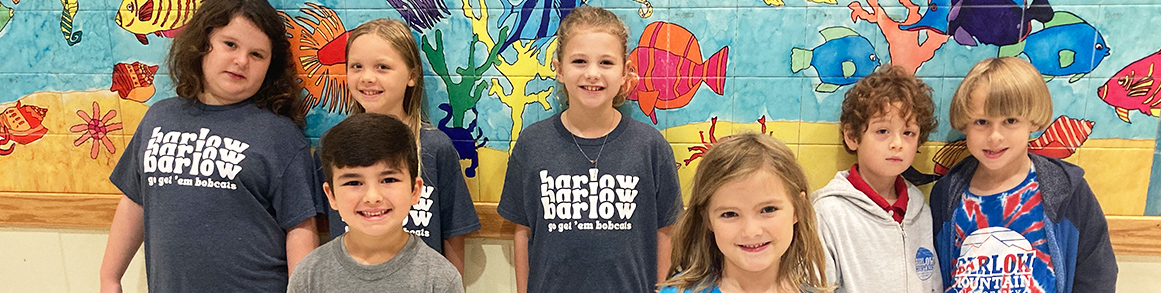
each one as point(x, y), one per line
point(668, 61)
point(163, 18)
point(949, 155)
point(20, 124)
point(5, 16)
point(133, 81)
point(1135, 87)
point(535, 19)
point(1066, 46)
point(420, 14)
point(318, 44)
point(995, 22)
point(1062, 137)
point(66, 22)
point(843, 59)
point(934, 19)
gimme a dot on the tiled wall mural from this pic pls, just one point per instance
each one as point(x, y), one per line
point(76, 76)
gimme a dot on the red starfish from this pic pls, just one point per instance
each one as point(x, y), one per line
point(96, 129)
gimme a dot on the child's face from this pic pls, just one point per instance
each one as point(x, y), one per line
point(887, 147)
point(373, 200)
point(377, 76)
point(997, 142)
point(592, 69)
point(236, 64)
point(752, 220)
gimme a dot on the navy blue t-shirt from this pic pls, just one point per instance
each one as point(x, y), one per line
point(594, 228)
point(445, 207)
point(220, 186)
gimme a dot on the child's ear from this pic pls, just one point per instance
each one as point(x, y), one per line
point(849, 137)
point(630, 79)
point(411, 82)
point(330, 195)
point(416, 190)
point(556, 67)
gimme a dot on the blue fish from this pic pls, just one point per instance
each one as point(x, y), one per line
point(535, 19)
point(1066, 46)
point(843, 59)
point(994, 22)
point(420, 14)
point(934, 19)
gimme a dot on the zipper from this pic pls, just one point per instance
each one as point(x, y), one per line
point(903, 236)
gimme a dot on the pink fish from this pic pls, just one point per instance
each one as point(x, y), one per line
point(668, 60)
point(1135, 87)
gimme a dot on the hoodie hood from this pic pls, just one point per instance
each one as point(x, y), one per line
point(841, 188)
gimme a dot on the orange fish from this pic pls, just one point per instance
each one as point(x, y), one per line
point(133, 81)
point(318, 46)
point(1062, 137)
point(668, 60)
point(20, 124)
point(163, 18)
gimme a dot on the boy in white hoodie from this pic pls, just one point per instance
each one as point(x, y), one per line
point(874, 224)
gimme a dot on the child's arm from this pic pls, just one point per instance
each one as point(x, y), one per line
point(300, 240)
point(1096, 266)
point(125, 236)
point(453, 250)
point(664, 249)
point(521, 257)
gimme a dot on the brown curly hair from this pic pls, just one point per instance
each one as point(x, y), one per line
point(872, 95)
point(279, 91)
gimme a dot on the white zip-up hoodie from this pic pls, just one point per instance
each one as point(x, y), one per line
point(866, 250)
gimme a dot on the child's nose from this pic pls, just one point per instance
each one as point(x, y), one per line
point(373, 195)
point(751, 228)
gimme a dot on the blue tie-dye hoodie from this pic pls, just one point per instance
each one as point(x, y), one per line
point(1077, 233)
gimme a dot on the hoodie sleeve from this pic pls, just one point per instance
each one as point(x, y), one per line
point(1096, 266)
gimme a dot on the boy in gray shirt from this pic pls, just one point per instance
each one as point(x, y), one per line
point(371, 170)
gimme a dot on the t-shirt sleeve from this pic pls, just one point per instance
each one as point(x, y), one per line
point(127, 174)
point(668, 187)
point(293, 193)
point(512, 198)
point(457, 211)
point(300, 279)
point(321, 204)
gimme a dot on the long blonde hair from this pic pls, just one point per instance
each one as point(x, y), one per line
point(399, 35)
point(696, 258)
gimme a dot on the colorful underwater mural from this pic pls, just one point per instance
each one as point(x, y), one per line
point(707, 70)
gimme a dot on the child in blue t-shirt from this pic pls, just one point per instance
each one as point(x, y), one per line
point(749, 226)
point(218, 181)
point(1008, 220)
point(385, 76)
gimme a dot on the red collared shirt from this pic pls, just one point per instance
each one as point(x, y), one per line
point(897, 209)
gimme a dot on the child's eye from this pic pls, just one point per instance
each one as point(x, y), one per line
point(729, 215)
point(352, 183)
point(230, 44)
point(909, 133)
point(579, 61)
point(1011, 121)
point(257, 55)
point(354, 66)
point(390, 180)
point(381, 67)
point(606, 62)
point(980, 122)
point(768, 209)
point(881, 131)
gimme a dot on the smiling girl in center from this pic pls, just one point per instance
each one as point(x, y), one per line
point(593, 192)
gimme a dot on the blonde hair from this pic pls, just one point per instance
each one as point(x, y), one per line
point(594, 19)
point(399, 35)
point(1014, 89)
point(696, 259)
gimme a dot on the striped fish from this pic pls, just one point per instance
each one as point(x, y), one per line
point(1062, 137)
point(66, 22)
point(1135, 87)
point(949, 155)
point(163, 18)
point(668, 60)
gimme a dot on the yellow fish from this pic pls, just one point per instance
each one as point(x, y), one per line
point(161, 17)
